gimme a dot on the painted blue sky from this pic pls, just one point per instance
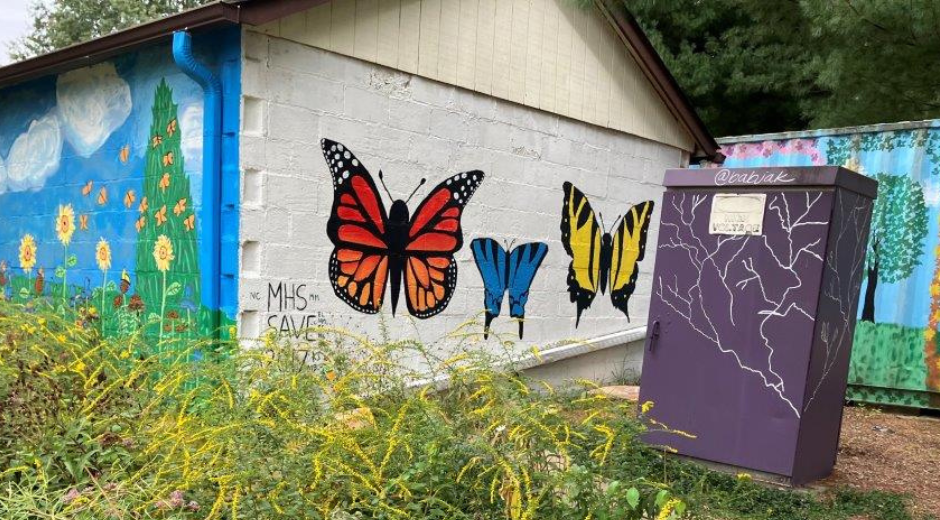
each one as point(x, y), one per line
point(57, 134)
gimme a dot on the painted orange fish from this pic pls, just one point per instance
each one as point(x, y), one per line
point(129, 198)
point(103, 196)
point(125, 154)
point(168, 159)
point(141, 222)
point(165, 181)
point(160, 216)
point(83, 222)
point(171, 128)
point(86, 189)
point(190, 222)
point(156, 141)
point(143, 205)
point(180, 207)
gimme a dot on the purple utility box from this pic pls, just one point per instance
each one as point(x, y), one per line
point(754, 300)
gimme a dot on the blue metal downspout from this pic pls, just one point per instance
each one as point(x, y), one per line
point(210, 261)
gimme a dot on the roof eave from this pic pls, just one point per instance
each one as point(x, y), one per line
point(662, 80)
point(210, 15)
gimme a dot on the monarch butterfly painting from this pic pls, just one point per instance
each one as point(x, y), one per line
point(165, 181)
point(124, 154)
point(168, 159)
point(86, 189)
point(129, 198)
point(141, 222)
point(143, 205)
point(156, 141)
point(103, 196)
point(83, 222)
point(375, 248)
point(190, 222)
point(171, 128)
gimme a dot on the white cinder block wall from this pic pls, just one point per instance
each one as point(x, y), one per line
point(411, 127)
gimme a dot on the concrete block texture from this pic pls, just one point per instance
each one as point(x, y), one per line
point(413, 128)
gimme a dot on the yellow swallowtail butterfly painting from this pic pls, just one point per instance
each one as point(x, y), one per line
point(601, 260)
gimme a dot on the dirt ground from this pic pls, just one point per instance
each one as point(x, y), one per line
point(879, 449)
point(892, 452)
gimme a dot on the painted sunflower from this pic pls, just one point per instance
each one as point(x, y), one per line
point(163, 253)
point(103, 255)
point(27, 253)
point(65, 224)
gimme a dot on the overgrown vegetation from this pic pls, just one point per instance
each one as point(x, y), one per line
point(92, 428)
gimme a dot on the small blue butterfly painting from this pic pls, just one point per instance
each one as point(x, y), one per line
point(504, 271)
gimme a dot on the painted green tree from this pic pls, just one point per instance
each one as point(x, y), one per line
point(167, 248)
point(898, 229)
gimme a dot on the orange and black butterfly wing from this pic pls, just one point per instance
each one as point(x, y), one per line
point(434, 235)
point(357, 227)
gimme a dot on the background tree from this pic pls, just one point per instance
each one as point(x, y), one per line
point(60, 23)
point(898, 229)
point(752, 66)
point(743, 63)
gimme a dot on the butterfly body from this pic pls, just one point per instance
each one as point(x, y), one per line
point(602, 260)
point(408, 252)
point(504, 271)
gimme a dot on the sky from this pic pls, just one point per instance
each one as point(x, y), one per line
point(14, 22)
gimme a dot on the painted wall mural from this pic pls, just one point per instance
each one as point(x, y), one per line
point(100, 194)
point(598, 260)
point(895, 356)
point(509, 270)
point(373, 246)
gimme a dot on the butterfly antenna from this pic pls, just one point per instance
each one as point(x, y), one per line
point(416, 190)
point(382, 180)
point(615, 224)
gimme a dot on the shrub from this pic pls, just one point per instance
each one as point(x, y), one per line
point(92, 427)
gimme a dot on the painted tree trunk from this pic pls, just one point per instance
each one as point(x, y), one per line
point(868, 310)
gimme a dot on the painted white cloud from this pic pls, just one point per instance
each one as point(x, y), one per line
point(3, 177)
point(190, 124)
point(93, 102)
point(35, 154)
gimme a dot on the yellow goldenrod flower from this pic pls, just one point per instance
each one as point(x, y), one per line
point(27, 253)
point(65, 224)
point(743, 476)
point(163, 253)
point(103, 255)
point(646, 407)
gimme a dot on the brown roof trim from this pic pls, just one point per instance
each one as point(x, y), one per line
point(663, 81)
point(214, 14)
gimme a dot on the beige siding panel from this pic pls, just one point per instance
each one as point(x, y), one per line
point(466, 43)
point(563, 64)
point(546, 54)
point(576, 85)
point(367, 30)
point(549, 60)
point(408, 36)
point(502, 42)
point(447, 59)
point(343, 23)
point(517, 49)
point(534, 53)
point(604, 73)
point(319, 20)
point(387, 41)
point(429, 38)
point(486, 33)
point(294, 27)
